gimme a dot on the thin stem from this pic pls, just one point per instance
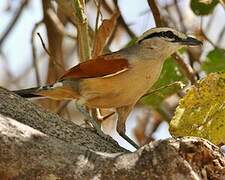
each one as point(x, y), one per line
point(96, 22)
point(164, 87)
point(185, 68)
point(155, 12)
point(43, 44)
point(34, 59)
point(49, 54)
point(82, 27)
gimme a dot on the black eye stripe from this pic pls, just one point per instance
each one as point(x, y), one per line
point(165, 34)
point(170, 34)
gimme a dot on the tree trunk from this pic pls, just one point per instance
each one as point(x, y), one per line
point(36, 144)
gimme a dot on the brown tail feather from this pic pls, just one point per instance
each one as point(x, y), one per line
point(49, 91)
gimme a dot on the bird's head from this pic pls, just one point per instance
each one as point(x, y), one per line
point(166, 40)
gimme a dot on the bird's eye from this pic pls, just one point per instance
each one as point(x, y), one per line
point(169, 34)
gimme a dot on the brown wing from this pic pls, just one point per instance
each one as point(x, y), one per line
point(98, 67)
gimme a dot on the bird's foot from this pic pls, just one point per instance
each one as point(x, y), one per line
point(129, 140)
point(93, 122)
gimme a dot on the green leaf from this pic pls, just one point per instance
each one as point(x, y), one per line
point(170, 74)
point(200, 7)
point(202, 111)
point(182, 50)
point(131, 42)
point(215, 61)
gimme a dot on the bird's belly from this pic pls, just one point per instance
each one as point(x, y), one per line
point(119, 90)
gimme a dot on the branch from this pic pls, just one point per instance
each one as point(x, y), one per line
point(54, 45)
point(75, 10)
point(58, 24)
point(43, 44)
point(121, 20)
point(28, 153)
point(185, 68)
point(82, 28)
point(156, 13)
point(35, 143)
point(56, 65)
point(13, 22)
point(51, 124)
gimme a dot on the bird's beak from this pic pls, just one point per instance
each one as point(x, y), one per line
point(190, 41)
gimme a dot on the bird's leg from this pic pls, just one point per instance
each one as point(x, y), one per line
point(92, 121)
point(123, 113)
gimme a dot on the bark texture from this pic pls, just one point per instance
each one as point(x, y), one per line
point(36, 144)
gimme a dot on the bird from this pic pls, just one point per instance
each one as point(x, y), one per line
point(118, 79)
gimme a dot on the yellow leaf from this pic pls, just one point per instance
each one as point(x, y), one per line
point(202, 111)
point(103, 34)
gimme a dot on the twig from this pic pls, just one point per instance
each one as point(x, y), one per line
point(193, 59)
point(155, 12)
point(96, 22)
point(98, 14)
point(43, 44)
point(29, 68)
point(122, 21)
point(58, 24)
point(99, 5)
point(208, 39)
point(163, 87)
point(47, 51)
point(34, 59)
point(185, 68)
point(13, 22)
point(180, 16)
point(82, 28)
point(107, 7)
point(54, 45)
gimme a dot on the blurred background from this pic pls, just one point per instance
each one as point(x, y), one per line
point(38, 42)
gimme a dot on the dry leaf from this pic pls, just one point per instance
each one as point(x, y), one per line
point(103, 34)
